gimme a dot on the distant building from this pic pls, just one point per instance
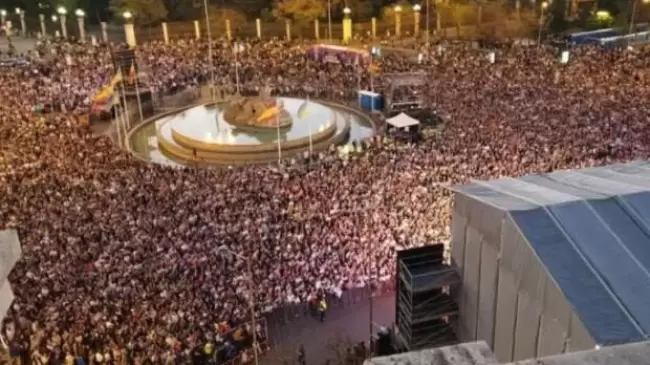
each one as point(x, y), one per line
point(554, 263)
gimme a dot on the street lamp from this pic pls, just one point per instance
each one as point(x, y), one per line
point(21, 15)
point(129, 31)
point(416, 19)
point(329, 20)
point(80, 23)
point(635, 3)
point(3, 16)
point(62, 14)
point(398, 20)
point(347, 25)
point(224, 251)
point(543, 6)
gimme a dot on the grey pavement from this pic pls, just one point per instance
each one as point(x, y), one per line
point(21, 44)
point(343, 324)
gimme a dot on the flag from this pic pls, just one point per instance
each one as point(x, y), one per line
point(302, 110)
point(132, 74)
point(268, 113)
point(104, 94)
point(116, 79)
point(103, 105)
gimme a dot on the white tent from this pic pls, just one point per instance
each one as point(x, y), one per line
point(402, 120)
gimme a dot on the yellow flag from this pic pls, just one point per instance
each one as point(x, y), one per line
point(117, 78)
point(302, 110)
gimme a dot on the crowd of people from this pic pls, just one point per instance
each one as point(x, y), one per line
point(123, 260)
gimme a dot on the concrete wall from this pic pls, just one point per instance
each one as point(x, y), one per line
point(507, 298)
point(474, 353)
point(477, 353)
point(9, 254)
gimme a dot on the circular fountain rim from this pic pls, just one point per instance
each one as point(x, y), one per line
point(129, 140)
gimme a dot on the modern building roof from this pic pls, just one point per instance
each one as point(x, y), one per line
point(591, 230)
point(478, 353)
point(471, 353)
point(630, 354)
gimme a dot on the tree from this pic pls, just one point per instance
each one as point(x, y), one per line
point(144, 11)
point(183, 9)
point(388, 12)
point(362, 10)
point(299, 10)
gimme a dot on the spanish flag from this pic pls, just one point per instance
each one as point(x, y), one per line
point(104, 94)
point(132, 74)
point(104, 100)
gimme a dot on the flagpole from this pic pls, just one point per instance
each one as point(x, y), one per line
point(118, 118)
point(137, 93)
point(124, 126)
point(137, 89)
point(311, 143)
point(372, 75)
point(237, 65)
point(211, 60)
point(126, 109)
point(277, 127)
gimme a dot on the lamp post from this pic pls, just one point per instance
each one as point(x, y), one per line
point(208, 27)
point(41, 17)
point(398, 20)
point(416, 19)
point(427, 22)
point(62, 15)
point(54, 20)
point(21, 15)
point(225, 251)
point(347, 25)
point(129, 31)
point(635, 4)
point(3, 16)
point(542, 12)
point(329, 20)
point(80, 22)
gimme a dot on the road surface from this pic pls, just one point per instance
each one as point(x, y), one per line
point(348, 323)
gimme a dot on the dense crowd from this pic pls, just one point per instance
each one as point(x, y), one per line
point(121, 259)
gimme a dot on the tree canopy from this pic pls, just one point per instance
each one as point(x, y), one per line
point(144, 11)
point(299, 10)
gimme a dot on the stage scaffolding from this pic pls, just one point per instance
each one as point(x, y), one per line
point(425, 312)
point(402, 83)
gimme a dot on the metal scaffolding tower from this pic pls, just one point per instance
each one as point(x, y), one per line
point(425, 312)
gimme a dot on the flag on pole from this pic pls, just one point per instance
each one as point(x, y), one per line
point(278, 105)
point(117, 78)
point(302, 109)
point(132, 74)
